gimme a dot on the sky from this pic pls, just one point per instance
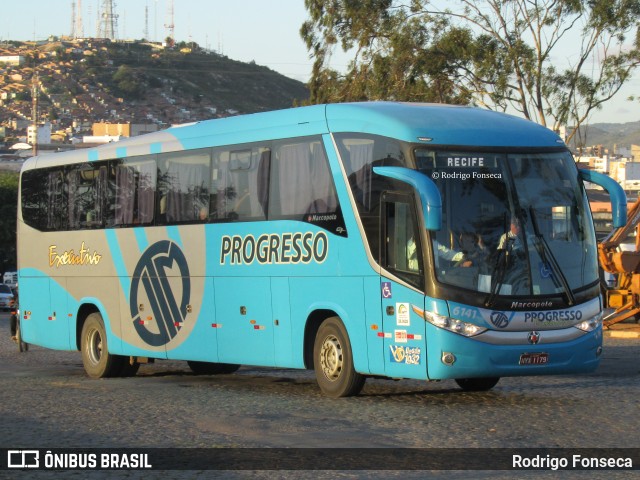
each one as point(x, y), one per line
point(264, 31)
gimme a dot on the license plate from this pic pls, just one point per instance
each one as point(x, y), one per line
point(534, 359)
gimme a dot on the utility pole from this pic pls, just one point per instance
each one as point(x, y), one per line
point(34, 111)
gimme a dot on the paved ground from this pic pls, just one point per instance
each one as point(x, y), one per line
point(47, 401)
point(623, 330)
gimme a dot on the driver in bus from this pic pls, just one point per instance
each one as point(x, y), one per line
point(465, 258)
point(511, 241)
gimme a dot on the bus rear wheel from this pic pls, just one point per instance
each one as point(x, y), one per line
point(22, 346)
point(333, 361)
point(97, 361)
point(206, 368)
point(477, 384)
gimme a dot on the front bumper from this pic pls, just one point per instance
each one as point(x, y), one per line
point(454, 356)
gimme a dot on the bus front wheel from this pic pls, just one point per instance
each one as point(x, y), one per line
point(97, 361)
point(333, 361)
point(477, 384)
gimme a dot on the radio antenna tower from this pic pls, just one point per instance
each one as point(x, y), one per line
point(146, 23)
point(108, 26)
point(73, 20)
point(79, 28)
point(171, 25)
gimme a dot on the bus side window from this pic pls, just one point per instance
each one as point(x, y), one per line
point(239, 184)
point(87, 185)
point(135, 187)
point(301, 182)
point(402, 251)
point(43, 199)
point(183, 186)
point(57, 200)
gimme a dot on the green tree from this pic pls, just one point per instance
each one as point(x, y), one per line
point(128, 82)
point(552, 61)
point(8, 211)
point(397, 56)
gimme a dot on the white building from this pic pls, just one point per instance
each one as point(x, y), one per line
point(599, 164)
point(44, 134)
point(15, 60)
point(101, 138)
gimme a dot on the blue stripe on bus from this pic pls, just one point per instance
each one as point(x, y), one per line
point(118, 262)
point(156, 147)
point(121, 152)
point(94, 155)
point(141, 238)
point(173, 232)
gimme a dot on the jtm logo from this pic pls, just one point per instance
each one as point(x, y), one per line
point(499, 319)
point(169, 307)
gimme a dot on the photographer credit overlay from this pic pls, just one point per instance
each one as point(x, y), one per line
point(321, 459)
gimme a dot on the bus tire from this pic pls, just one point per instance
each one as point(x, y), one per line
point(97, 361)
point(333, 361)
point(22, 346)
point(477, 384)
point(207, 368)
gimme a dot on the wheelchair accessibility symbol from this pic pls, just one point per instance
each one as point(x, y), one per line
point(385, 289)
point(168, 300)
point(545, 270)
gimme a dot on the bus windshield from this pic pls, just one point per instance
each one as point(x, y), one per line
point(513, 223)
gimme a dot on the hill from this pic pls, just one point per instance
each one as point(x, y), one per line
point(86, 81)
point(98, 80)
point(610, 135)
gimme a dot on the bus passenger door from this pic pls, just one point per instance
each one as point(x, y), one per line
point(244, 320)
point(404, 329)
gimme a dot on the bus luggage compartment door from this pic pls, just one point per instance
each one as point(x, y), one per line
point(244, 319)
point(40, 314)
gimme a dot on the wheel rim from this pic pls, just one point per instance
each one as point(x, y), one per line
point(94, 346)
point(331, 358)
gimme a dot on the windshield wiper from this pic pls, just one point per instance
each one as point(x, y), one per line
point(548, 258)
point(502, 265)
point(497, 285)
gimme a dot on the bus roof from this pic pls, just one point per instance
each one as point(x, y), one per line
point(442, 124)
point(432, 124)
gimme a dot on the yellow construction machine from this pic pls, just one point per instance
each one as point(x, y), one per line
point(625, 297)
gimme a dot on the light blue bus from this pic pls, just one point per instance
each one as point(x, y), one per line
point(368, 239)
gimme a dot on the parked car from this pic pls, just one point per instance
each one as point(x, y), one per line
point(11, 279)
point(6, 297)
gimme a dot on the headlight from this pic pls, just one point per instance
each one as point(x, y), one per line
point(453, 325)
point(591, 324)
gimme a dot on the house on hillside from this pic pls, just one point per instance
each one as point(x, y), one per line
point(123, 129)
point(14, 60)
